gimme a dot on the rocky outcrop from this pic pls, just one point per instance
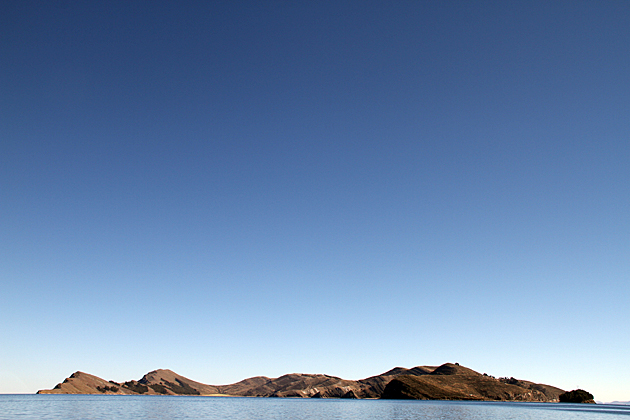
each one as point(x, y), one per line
point(577, 396)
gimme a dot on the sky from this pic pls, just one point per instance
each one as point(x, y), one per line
point(238, 188)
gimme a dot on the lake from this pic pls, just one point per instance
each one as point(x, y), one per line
point(115, 407)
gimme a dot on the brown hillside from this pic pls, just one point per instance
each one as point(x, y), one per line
point(303, 385)
point(326, 386)
point(551, 392)
point(242, 387)
point(454, 382)
point(84, 383)
point(374, 386)
point(167, 382)
point(449, 369)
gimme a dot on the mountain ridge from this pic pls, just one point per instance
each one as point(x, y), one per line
point(448, 381)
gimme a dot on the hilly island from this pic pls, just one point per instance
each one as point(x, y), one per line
point(446, 382)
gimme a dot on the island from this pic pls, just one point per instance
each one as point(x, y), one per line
point(577, 396)
point(449, 381)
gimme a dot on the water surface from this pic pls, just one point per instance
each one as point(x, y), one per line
point(118, 407)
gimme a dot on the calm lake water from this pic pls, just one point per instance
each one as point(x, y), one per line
point(101, 407)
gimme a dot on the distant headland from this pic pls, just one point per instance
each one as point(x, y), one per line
point(449, 381)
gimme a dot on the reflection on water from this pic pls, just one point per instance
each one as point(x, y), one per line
point(114, 407)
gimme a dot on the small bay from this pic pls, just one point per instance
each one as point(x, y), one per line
point(115, 407)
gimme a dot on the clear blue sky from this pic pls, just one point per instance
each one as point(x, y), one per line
point(230, 189)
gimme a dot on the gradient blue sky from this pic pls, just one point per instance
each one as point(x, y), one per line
point(230, 189)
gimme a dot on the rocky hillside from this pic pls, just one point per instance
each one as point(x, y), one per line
point(454, 382)
point(320, 386)
point(84, 383)
point(449, 381)
point(158, 382)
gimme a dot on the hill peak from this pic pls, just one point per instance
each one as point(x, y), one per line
point(454, 369)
